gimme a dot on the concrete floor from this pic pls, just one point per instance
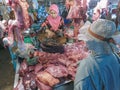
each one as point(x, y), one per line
point(6, 70)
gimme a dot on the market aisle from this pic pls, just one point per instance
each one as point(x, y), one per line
point(6, 71)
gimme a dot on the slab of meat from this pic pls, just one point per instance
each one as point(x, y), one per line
point(57, 70)
point(23, 68)
point(20, 9)
point(29, 81)
point(31, 68)
point(38, 67)
point(24, 5)
point(47, 78)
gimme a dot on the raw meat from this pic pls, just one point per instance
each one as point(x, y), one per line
point(57, 70)
point(47, 78)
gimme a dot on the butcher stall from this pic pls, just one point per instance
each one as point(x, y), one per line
point(41, 62)
point(42, 70)
point(47, 65)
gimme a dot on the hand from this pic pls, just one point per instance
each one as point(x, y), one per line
point(50, 34)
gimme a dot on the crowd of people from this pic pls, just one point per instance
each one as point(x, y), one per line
point(101, 69)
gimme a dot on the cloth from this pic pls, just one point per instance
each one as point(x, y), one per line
point(50, 25)
point(54, 22)
point(99, 73)
point(42, 13)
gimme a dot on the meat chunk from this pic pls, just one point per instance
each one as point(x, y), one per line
point(47, 78)
point(42, 86)
point(57, 70)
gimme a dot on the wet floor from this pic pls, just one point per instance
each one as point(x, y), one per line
point(6, 70)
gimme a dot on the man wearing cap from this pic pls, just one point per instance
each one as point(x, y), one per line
point(101, 69)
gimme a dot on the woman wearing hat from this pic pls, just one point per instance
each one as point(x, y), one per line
point(101, 69)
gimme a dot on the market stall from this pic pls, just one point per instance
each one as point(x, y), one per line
point(46, 41)
point(42, 59)
point(50, 70)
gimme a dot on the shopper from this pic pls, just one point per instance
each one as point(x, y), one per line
point(101, 69)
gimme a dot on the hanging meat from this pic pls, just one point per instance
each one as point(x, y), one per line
point(21, 13)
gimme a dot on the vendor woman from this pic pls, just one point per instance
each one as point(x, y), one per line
point(54, 23)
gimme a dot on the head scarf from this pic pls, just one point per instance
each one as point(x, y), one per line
point(54, 7)
point(54, 22)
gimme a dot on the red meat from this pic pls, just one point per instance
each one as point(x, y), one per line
point(57, 71)
point(47, 78)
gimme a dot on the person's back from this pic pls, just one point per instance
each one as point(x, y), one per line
point(101, 70)
point(101, 73)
